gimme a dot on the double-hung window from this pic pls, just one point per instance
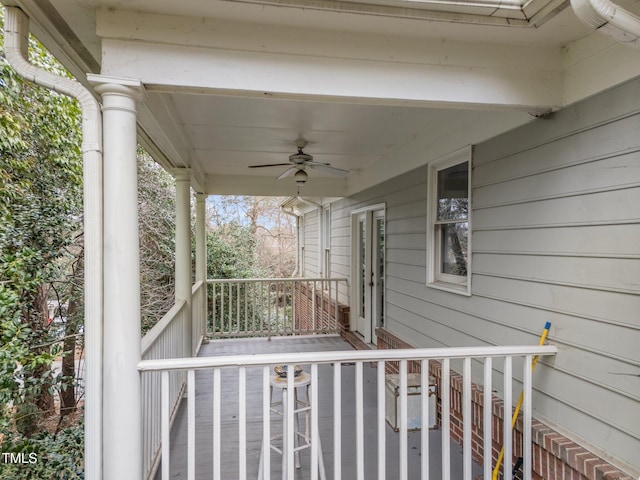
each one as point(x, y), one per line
point(448, 239)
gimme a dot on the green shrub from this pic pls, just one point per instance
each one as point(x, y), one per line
point(44, 456)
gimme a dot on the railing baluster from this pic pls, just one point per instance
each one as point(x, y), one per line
point(214, 310)
point(315, 434)
point(165, 428)
point(269, 319)
point(222, 312)
point(403, 474)
point(314, 325)
point(217, 395)
point(191, 425)
point(359, 422)
point(446, 418)
point(466, 419)
point(322, 283)
point(294, 318)
point(382, 432)
point(330, 324)
point(487, 421)
point(337, 420)
point(308, 318)
point(337, 296)
point(265, 456)
point(242, 423)
point(508, 402)
point(262, 309)
point(527, 403)
point(426, 421)
point(238, 318)
point(230, 308)
point(254, 303)
point(246, 305)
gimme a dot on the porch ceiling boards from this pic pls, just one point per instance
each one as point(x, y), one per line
point(229, 434)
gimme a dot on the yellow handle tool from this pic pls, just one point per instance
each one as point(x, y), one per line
point(514, 418)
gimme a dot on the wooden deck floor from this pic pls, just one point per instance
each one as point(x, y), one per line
point(229, 413)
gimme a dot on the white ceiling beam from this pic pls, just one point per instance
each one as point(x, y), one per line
point(264, 186)
point(265, 60)
point(290, 76)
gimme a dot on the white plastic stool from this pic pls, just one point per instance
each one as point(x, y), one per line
point(300, 406)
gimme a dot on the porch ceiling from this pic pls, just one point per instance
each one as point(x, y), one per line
point(376, 87)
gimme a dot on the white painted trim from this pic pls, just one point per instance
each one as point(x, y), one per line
point(353, 285)
point(326, 241)
point(122, 422)
point(457, 285)
point(16, 30)
point(368, 208)
point(183, 250)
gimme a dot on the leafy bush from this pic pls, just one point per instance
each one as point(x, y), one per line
point(44, 456)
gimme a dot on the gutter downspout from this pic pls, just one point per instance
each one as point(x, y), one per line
point(16, 48)
point(609, 19)
point(297, 217)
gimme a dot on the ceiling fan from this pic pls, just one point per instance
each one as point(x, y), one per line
point(297, 165)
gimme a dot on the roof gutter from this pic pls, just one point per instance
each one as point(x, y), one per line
point(609, 19)
point(16, 43)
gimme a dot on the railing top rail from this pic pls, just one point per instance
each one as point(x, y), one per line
point(196, 286)
point(152, 335)
point(290, 279)
point(342, 356)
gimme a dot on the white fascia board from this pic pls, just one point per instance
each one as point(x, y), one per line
point(292, 76)
point(267, 186)
point(390, 70)
point(595, 63)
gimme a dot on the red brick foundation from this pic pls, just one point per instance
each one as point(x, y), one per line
point(555, 457)
point(309, 301)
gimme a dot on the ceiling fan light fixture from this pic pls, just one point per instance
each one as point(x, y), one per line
point(301, 177)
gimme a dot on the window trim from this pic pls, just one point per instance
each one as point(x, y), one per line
point(326, 241)
point(443, 281)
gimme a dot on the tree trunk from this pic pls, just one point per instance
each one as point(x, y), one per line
point(44, 399)
point(67, 390)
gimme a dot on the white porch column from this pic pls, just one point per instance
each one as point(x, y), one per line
point(201, 260)
point(183, 251)
point(122, 419)
point(201, 238)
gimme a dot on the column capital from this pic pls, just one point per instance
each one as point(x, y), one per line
point(181, 174)
point(130, 87)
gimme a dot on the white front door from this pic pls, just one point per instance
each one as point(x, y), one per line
point(368, 271)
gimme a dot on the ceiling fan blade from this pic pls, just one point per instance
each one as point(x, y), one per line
point(328, 168)
point(270, 165)
point(287, 173)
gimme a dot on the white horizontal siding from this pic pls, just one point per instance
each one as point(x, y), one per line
point(311, 232)
point(556, 237)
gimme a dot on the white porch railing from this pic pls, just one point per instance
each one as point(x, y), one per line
point(163, 341)
point(480, 358)
point(274, 306)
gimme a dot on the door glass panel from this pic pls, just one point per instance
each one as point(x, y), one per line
point(380, 239)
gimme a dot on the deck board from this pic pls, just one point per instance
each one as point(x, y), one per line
point(229, 420)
